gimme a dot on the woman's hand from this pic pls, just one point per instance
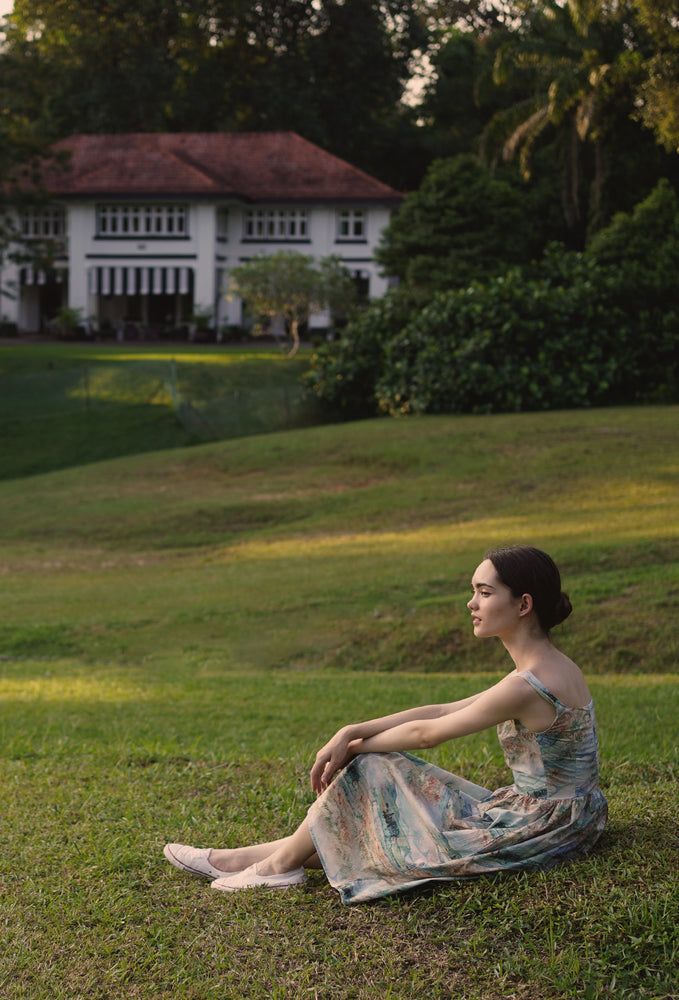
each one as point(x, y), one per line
point(332, 758)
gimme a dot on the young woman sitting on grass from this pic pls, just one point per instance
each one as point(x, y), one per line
point(385, 821)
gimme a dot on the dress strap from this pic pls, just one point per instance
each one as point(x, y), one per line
point(540, 688)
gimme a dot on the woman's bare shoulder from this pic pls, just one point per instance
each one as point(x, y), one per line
point(564, 678)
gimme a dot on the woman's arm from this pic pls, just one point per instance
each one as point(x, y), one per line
point(505, 700)
point(362, 730)
point(339, 750)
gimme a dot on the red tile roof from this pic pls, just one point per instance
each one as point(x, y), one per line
point(253, 166)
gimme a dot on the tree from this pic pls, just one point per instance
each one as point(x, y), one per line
point(102, 65)
point(360, 65)
point(578, 63)
point(290, 285)
point(641, 248)
point(659, 91)
point(24, 152)
point(333, 71)
point(451, 110)
point(461, 225)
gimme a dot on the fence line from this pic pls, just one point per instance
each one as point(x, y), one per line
point(59, 392)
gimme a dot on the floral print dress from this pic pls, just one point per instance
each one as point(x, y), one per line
point(390, 822)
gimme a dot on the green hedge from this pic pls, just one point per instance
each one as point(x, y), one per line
point(515, 343)
point(579, 329)
point(343, 374)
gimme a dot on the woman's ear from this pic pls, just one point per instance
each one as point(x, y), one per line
point(526, 605)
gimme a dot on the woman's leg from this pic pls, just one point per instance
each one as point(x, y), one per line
point(295, 851)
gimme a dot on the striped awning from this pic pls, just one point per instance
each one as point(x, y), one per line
point(40, 276)
point(140, 280)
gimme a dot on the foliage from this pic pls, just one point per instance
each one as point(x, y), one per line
point(461, 225)
point(293, 285)
point(513, 343)
point(452, 109)
point(641, 249)
point(578, 329)
point(576, 74)
point(576, 71)
point(659, 90)
point(558, 88)
point(101, 67)
point(24, 152)
point(343, 374)
point(67, 322)
point(634, 239)
point(334, 72)
point(359, 64)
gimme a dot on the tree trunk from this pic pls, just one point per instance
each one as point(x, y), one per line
point(294, 333)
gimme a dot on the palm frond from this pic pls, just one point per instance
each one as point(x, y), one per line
point(526, 132)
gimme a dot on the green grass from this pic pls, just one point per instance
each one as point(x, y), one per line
point(182, 629)
point(64, 405)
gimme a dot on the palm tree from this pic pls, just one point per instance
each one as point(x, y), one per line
point(658, 104)
point(573, 63)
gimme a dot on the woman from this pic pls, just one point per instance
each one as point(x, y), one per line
point(386, 821)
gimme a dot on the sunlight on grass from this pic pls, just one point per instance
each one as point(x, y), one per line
point(216, 710)
point(626, 520)
point(54, 688)
point(194, 355)
point(107, 385)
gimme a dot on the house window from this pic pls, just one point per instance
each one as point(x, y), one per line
point(351, 224)
point(276, 224)
point(167, 221)
point(43, 223)
point(222, 224)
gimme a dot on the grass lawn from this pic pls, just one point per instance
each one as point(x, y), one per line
point(69, 404)
point(182, 629)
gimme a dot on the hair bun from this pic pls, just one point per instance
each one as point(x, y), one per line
point(562, 608)
point(527, 570)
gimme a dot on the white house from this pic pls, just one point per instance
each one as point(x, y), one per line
point(147, 226)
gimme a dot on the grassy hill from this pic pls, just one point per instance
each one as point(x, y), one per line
point(64, 405)
point(183, 628)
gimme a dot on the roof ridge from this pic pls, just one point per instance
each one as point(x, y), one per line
point(340, 159)
point(200, 168)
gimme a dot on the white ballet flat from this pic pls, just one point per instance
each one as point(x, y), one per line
point(194, 860)
point(249, 878)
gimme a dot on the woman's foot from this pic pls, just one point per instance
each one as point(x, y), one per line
point(235, 859)
point(251, 878)
point(194, 860)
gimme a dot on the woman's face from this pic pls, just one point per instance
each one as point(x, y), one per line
point(495, 610)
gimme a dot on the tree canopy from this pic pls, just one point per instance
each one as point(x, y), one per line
point(462, 224)
point(591, 82)
point(333, 71)
point(292, 286)
point(658, 96)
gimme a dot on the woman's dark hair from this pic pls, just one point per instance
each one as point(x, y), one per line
point(526, 570)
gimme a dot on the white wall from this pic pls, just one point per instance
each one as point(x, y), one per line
point(200, 250)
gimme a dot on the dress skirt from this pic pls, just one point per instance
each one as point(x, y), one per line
point(391, 822)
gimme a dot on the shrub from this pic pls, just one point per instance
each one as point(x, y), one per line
point(578, 329)
point(343, 374)
point(642, 249)
point(513, 343)
point(461, 225)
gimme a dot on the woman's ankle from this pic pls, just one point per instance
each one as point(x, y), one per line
point(271, 866)
point(230, 860)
